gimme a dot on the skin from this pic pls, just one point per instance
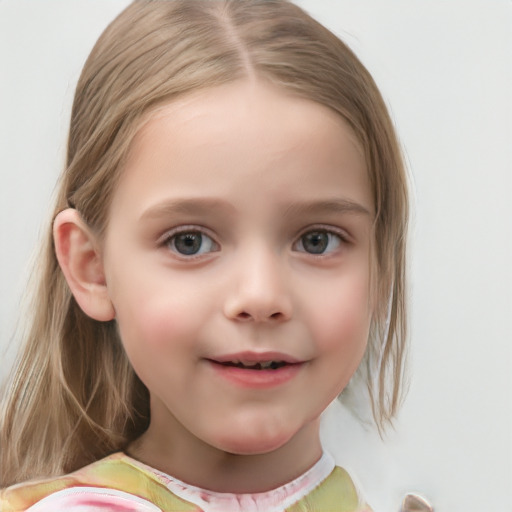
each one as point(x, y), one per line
point(252, 169)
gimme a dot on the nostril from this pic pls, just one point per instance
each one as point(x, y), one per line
point(247, 316)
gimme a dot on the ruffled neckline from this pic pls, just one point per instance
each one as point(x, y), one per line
point(275, 500)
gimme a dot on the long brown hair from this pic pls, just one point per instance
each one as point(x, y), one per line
point(73, 396)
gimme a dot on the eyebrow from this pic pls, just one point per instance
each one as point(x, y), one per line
point(335, 205)
point(188, 206)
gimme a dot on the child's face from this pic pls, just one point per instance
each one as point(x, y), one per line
point(240, 233)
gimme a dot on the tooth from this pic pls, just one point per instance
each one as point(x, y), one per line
point(255, 365)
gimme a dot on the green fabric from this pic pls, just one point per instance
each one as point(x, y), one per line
point(336, 493)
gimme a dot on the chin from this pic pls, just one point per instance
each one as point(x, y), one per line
point(256, 444)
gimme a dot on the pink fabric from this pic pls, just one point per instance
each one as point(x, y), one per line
point(93, 499)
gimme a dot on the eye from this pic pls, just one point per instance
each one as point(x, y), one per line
point(318, 241)
point(191, 243)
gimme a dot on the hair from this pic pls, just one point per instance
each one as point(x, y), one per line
point(73, 396)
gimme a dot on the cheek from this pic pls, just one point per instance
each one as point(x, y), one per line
point(151, 315)
point(155, 334)
point(344, 313)
point(342, 326)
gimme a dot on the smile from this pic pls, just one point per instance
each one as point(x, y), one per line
point(256, 371)
point(261, 365)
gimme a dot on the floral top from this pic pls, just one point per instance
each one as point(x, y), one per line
point(119, 483)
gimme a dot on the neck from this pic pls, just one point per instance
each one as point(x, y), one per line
point(190, 460)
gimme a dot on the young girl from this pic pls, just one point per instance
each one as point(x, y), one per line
point(227, 246)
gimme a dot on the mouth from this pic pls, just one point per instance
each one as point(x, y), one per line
point(254, 370)
point(249, 365)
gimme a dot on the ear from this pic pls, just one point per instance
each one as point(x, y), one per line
point(81, 263)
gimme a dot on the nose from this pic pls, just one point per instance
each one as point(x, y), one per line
point(259, 291)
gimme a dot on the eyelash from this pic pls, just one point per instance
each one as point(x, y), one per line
point(341, 238)
point(170, 239)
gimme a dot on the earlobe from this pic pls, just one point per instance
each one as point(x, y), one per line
point(81, 263)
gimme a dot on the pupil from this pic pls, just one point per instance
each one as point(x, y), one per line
point(188, 243)
point(315, 242)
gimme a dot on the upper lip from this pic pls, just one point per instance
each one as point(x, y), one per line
point(256, 357)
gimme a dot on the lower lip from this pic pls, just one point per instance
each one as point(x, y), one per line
point(257, 379)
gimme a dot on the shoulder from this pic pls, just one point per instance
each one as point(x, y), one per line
point(112, 484)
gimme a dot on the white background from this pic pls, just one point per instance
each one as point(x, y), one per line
point(445, 68)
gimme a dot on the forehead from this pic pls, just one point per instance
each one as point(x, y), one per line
point(229, 135)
